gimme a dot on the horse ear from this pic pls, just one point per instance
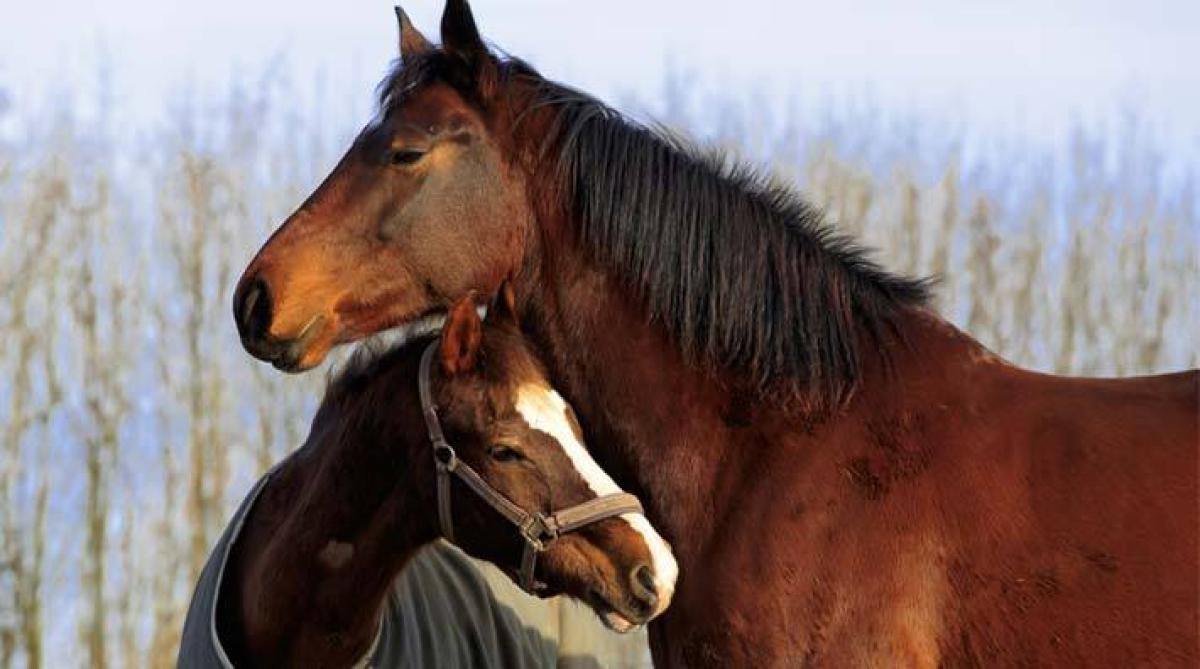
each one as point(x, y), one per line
point(504, 306)
point(461, 336)
point(412, 42)
point(460, 37)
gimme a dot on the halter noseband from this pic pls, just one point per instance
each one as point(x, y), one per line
point(538, 530)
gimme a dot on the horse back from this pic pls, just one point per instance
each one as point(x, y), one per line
point(1090, 553)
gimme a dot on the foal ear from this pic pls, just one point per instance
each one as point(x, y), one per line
point(412, 42)
point(504, 305)
point(460, 37)
point(461, 336)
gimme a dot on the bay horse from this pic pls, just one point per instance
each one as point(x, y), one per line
point(324, 542)
point(845, 477)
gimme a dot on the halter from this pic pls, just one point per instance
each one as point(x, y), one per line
point(538, 530)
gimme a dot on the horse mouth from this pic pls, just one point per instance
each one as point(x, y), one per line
point(290, 355)
point(620, 619)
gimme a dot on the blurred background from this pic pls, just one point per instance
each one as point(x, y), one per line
point(1041, 157)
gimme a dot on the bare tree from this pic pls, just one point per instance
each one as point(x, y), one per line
point(1073, 267)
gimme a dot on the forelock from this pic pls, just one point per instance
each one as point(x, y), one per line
point(404, 77)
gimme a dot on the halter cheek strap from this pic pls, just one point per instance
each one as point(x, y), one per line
point(538, 530)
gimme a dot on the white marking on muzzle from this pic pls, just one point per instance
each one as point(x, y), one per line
point(544, 409)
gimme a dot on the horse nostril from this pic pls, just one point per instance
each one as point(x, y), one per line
point(644, 587)
point(252, 310)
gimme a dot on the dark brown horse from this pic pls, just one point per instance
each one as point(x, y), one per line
point(846, 478)
point(324, 542)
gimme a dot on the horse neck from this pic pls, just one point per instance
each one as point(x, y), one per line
point(685, 439)
point(354, 492)
point(332, 529)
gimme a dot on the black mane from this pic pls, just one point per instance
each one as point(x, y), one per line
point(741, 272)
point(737, 267)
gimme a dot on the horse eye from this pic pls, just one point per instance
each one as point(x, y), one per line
point(406, 156)
point(505, 454)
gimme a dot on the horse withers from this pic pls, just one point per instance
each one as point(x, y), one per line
point(458, 435)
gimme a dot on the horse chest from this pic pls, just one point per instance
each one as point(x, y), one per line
point(820, 579)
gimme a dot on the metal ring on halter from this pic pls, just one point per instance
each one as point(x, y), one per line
point(445, 455)
point(538, 530)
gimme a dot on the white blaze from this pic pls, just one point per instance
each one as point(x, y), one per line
point(544, 409)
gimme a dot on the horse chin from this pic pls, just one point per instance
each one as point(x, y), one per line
point(396, 336)
point(617, 622)
point(402, 333)
point(609, 614)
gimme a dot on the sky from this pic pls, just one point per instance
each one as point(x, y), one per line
point(1024, 66)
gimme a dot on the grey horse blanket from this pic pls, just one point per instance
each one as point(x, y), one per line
point(445, 610)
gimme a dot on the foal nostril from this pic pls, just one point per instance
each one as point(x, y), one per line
point(252, 310)
point(644, 588)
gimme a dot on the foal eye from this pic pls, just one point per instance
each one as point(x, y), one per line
point(406, 156)
point(505, 454)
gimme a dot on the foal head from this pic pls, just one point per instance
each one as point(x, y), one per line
point(508, 425)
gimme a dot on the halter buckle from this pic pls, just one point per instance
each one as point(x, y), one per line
point(445, 455)
point(538, 531)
